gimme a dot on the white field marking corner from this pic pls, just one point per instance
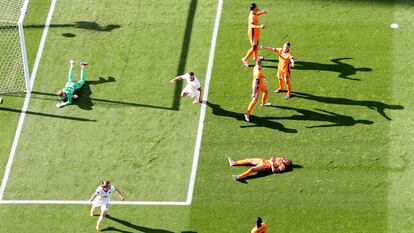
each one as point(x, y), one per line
point(198, 139)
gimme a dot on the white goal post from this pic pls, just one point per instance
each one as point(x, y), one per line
point(14, 70)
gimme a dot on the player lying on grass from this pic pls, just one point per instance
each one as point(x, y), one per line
point(102, 198)
point(193, 87)
point(286, 61)
point(260, 226)
point(253, 32)
point(68, 92)
point(273, 164)
point(258, 86)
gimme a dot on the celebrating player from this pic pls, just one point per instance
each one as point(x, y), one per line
point(103, 192)
point(68, 92)
point(286, 61)
point(260, 226)
point(273, 164)
point(253, 32)
point(193, 87)
point(258, 85)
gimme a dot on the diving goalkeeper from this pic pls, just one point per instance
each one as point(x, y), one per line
point(68, 92)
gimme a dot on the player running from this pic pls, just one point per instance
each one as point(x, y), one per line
point(253, 32)
point(68, 92)
point(260, 226)
point(193, 87)
point(103, 192)
point(286, 61)
point(258, 85)
point(273, 164)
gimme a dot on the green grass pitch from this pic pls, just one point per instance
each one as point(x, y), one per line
point(348, 128)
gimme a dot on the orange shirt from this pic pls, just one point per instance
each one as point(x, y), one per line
point(277, 163)
point(261, 229)
point(284, 60)
point(253, 22)
point(258, 73)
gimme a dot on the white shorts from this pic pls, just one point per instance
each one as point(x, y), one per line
point(104, 204)
point(189, 90)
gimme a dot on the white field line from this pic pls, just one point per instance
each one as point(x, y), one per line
point(67, 202)
point(204, 105)
point(196, 150)
point(26, 101)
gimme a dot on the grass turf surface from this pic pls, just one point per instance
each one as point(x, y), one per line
point(348, 126)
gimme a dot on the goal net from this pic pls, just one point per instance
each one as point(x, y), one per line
point(14, 72)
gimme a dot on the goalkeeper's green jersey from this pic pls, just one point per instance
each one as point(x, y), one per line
point(71, 86)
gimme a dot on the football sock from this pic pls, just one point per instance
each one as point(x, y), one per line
point(82, 75)
point(246, 174)
point(251, 105)
point(70, 75)
point(248, 54)
point(264, 98)
point(289, 87)
point(241, 162)
point(281, 85)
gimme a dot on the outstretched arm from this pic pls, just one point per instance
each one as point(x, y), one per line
point(93, 197)
point(120, 194)
point(263, 12)
point(268, 48)
point(176, 78)
point(69, 101)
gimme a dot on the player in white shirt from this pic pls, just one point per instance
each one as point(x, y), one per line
point(102, 197)
point(193, 87)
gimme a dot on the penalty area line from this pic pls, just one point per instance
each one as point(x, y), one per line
point(26, 101)
point(204, 105)
point(74, 202)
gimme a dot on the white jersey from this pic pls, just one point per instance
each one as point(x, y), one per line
point(193, 84)
point(105, 196)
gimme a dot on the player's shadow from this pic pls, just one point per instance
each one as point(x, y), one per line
point(334, 119)
point(41, 114)
point(255, 121)
point(135, 227)
point(345, 70)
point(185, 47)
point(52, 96)
point(264, 174)
point(87, 25)
point(84, 100)
point(375, 105)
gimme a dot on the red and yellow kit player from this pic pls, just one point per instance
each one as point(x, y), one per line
point(286, 61)
point(260, 227)
point(253, 32)
point(273, 164)
point(258, 86)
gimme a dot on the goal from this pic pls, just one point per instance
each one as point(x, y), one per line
point(14, 71)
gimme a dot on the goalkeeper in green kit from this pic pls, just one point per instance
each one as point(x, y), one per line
point(68, 92)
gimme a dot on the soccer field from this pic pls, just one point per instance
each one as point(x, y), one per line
point(348, 128)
